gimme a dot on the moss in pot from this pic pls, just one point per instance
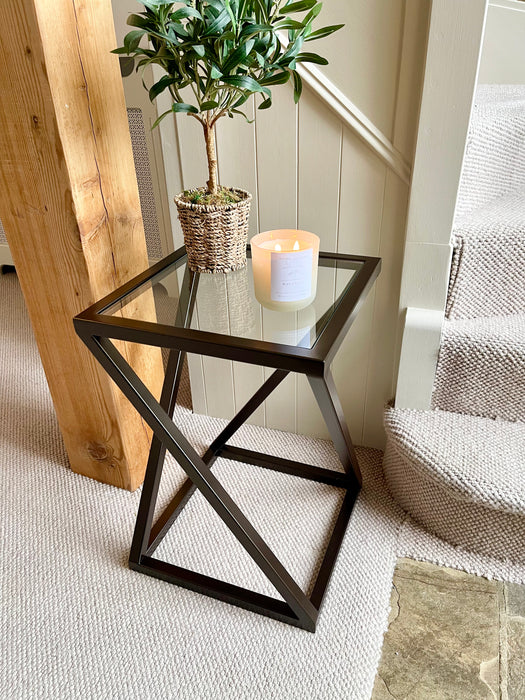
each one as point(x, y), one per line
point(223, 51)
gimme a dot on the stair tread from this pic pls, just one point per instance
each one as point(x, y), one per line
point(492, 329)
point(502, 218)
point(478, 460)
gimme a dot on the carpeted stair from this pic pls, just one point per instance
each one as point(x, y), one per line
point(481, 368)
point(459, 468)
point(488, 262)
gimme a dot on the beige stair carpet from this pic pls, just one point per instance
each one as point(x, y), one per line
point(486, 277)
point(481, 367)
point(495, 150)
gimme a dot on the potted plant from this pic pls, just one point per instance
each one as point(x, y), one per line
point(221, 52)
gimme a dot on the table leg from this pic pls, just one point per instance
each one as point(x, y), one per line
point(141, 537)
point(326, 396)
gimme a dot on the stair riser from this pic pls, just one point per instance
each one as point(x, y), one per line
point(487, 277)
point(460, 522)
point(481, 376)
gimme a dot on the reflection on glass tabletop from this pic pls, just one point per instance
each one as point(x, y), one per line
point(225, 303)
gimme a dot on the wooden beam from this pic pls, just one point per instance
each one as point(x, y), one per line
point(70, 207)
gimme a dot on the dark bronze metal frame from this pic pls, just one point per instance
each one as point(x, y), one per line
point(96, 330)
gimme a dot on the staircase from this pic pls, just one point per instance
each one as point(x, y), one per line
point(459, 469)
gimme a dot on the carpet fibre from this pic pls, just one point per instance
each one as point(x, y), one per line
point(75, 622)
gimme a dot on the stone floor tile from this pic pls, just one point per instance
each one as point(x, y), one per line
point(515, 599)
point(443, 639)
point(514, 636)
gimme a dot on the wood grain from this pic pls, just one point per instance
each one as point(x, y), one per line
point(70, 207)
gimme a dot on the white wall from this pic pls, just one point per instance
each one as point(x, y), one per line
point(308, 169)
point(503, 55)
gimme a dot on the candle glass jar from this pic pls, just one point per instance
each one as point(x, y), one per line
point(285, 265)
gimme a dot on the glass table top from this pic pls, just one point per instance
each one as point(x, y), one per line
point(226, 304)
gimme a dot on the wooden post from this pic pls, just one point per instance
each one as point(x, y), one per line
point(70, 207)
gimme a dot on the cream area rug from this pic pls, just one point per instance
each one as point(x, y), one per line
point(75, 622)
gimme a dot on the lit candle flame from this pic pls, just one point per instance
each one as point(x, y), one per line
point(278, 247)
point(296, 245)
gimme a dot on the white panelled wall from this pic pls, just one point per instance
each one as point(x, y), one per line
point(308, 168)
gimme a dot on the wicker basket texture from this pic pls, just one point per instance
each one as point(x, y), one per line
point(215, 236)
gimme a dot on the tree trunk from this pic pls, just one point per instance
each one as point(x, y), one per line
point(209, 135)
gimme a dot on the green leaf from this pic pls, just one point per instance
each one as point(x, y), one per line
point(159, 119)
point(221, 21)
point(205, 106)
point(215, 73)
point(199, 49)
point(230, 12)
point(292, 50)
point(299, 6)
point(277, 79)
point(238, 56)
point(297, 87)
point(325, 31)
point(288, 24)
point(185, 12)
point(160, 86)
point(316, 9)
point(233, 111)
point(132, 40)
point(154, 4)
point(263, 9)
point(138, 21)
point(311, 58)
point(253, 29)
point(183, 107)
point(266, 104)
point(244, 82)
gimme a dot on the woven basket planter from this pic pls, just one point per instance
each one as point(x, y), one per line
point(215, 236)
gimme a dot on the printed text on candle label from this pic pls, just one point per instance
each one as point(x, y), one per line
point(292, 275)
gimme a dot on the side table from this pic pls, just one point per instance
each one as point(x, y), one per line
point(309, 347)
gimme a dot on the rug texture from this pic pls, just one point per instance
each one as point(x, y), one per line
point(75, 622)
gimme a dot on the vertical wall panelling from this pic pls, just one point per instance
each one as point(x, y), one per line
point(167, 136)
point(318, 211)
point(276, 141)
point(137, 97)
point(383, 340)
point(383, 352)
point(236, 154)
point(276, 138)
point(362, 194)
point(363, 56)
point(192, 151)
point(213, 312)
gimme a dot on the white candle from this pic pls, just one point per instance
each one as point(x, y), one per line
point(285, 268)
